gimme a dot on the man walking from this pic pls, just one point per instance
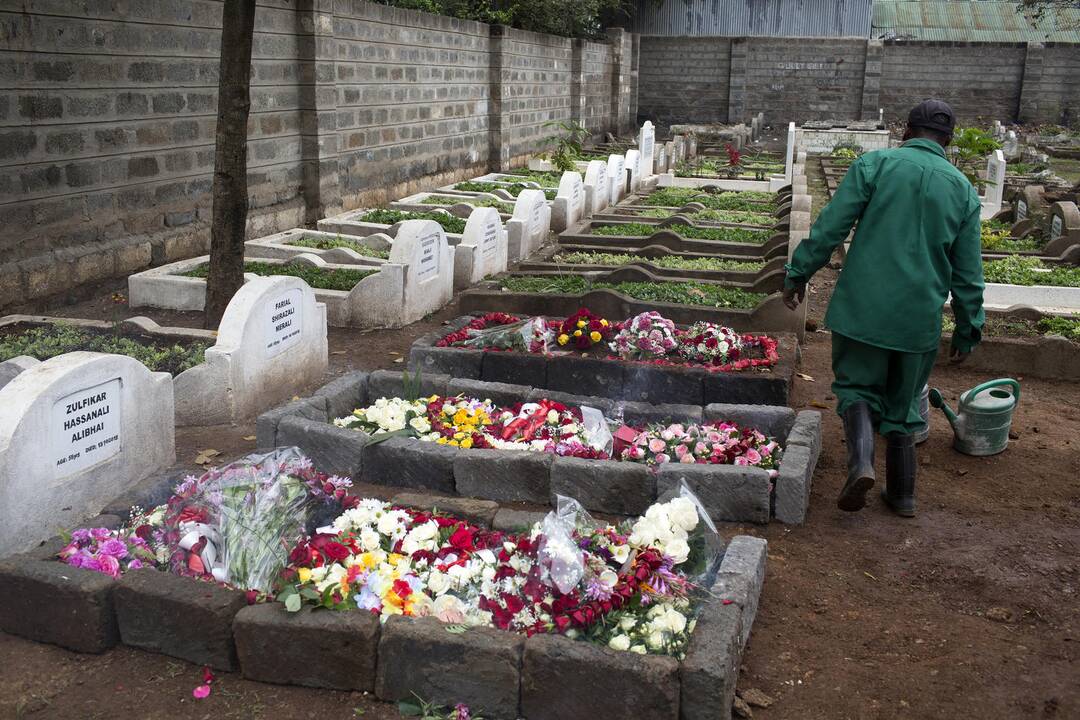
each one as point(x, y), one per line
point(918, 239)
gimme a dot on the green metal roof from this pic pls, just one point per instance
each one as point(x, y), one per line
point(969, 21)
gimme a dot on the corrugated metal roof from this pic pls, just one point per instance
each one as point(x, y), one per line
point(753, 18)
point(969, 21)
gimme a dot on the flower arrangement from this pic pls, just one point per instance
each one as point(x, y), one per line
point(648, 335)
point(619, 586)
point(388, 415)
point(459, 422)
point(709, 344)
point(107, 551)
point(712, 444)
point(582, 330)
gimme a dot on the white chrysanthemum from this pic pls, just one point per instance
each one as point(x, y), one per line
point(683, 513)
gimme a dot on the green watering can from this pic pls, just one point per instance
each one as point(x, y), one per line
point(985, 416)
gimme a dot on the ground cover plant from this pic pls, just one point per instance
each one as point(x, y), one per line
point(996, 326)
point(995, 238)
point(1021, 270)
point(647, 337)
point(746, 217)
point(572, 18)
point(544, 177)
point(48, 341)
point(318, 278)
point(501, 206)
point(514, 189)
point(682, 293)
point(323, 243)
point(750, 200)
point(675, 262)
point(721, 234)
point(450, 223)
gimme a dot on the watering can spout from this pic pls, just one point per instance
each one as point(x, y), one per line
point(939, 402)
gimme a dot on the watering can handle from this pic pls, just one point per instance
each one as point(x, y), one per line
point(997, 383)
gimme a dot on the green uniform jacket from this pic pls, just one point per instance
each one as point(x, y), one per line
point(918, 238)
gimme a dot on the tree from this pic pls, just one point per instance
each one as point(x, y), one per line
point(229, 222)
point(1051, 14)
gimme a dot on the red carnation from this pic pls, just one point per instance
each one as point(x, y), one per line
point(336, 551)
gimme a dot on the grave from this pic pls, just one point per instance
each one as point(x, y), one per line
point(77, 430)
point(528, 228)
point(1064, 228)
point(283, 246)
point(597, 194)
point(457, 203)
point(633, 169)
point(995, 185)
point(647, 146)
point(616, 177)
point(1011, 146)
point(417, 280)
point(568, 207)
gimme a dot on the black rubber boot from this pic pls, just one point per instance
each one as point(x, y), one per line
point(900, 470)
point(859, 431)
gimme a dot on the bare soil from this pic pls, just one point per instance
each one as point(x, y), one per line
point(970, 610)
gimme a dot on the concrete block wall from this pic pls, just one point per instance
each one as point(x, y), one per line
point(729, 79)
point(672, 90)
point(108, 111)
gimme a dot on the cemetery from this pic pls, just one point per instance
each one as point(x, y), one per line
point(365, 361)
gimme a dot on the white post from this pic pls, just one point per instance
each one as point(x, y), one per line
point(790, 157)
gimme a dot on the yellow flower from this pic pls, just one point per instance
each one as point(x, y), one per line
point(595, 336)
point(466, 443)
point(581, 323)
point(368, 560)
point(577, 333)
point(459, 435)
point(441, 441)
point(394, 558)
point(453, 443)
point(603, 322)
point(304, 574)
point(563, 339)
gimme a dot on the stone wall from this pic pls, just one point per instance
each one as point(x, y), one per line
point(107, 117)
point(721, 79)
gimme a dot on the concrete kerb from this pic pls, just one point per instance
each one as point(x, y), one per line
point(730, 492)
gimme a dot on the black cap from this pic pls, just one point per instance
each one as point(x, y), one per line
point(933, 114)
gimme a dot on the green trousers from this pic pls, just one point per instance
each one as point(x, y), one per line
point(889, 380)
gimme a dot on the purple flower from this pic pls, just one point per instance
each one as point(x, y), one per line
point(597, 590)
point(80, 536)
point(135, 564)
point(100, 533)
point(114, 548)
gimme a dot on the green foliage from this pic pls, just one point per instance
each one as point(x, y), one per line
point(318, 278)
point(997, 326)
point(565, 146)
point(487, 187)
point(1021, 270)
point(846, 151)
point(572, 18)
point(450, 223)
point(722, 234)
point(321, 243)
point(544, 177)
point(745, 217)
point(682, 293)
point(677, 197)
point(675, 262)
point(501, 206)
point(995, 238)
point(970, 146)
point(52, 340)
point(711, 167)
point(1068, 328)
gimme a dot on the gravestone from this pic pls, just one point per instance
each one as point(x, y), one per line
point(669, 150)
point(679, 146)
point(646, 143)
point(633, 166)
point(597, 195)
point(1030, 202)
point(420, 246)
point(1064, 227)
point(77, 431)
point(528, 228)
point(691, 146)
point(482, 250)
point(660, 164)
point(789, 156)
point(1011, 146)
point(271, 343)
point(995, 184)
point(568, 207)
point(616, 172)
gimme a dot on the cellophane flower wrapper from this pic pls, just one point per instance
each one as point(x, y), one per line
point(561, 561)
point(705, 541)
point(530, 335)
point(239, 520)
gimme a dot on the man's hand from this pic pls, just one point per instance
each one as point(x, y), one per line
point(794, 295)
point(957, 356)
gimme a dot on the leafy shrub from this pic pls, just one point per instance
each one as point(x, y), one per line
point(722, 234)
point(674, 262)
point(1027, 270)
point(573, 18)
point(682, 293)
point(450, 223)
point(1068, 328)
point(321, 243)
point(503, 207)
point(319, 278)
point(677, 197)
point(565, 145)
point(52, 340)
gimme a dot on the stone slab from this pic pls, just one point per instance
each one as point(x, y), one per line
point(604, 486)
point(334, 450)
point(728, 492)
point(410, 463)
point(504, 475)
point(479, 512)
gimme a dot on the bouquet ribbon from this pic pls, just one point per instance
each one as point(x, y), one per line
point(529, 420)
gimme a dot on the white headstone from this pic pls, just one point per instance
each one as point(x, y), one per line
point(597, 195)
point(271, 344)
point(420, 246)
point(995, 185)
point(528, 228)
point(633, 164)
point(661, 162)
point(616, 172)
point(1011, 146)
point(789, 157)
point(568, 207)
point(482, 250)
point(646, 143)
point(77, 431)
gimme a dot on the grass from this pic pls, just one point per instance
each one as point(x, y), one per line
point(751, 200)
point(320, 243)
point(723, 234)
point(319, 278)
point(1066, 327)
point(450, 223)
point(673, 262)
point(1020, 270)
point(503, 207)
point(681, 293)
point(720, 168)
point(549, 177)
point(512, 188)
point(995, 238)
point(745, 217)
point(52, 340)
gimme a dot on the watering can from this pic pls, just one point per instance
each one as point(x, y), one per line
point(981, 425)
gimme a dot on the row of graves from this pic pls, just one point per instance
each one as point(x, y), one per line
point(563, 454)
point(1031, 260)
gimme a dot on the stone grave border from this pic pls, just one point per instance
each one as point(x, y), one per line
point(510, 675)
point(612, 379)
point(629, 213)
point(279, 247)
point(728, 492)
point(461, 208)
